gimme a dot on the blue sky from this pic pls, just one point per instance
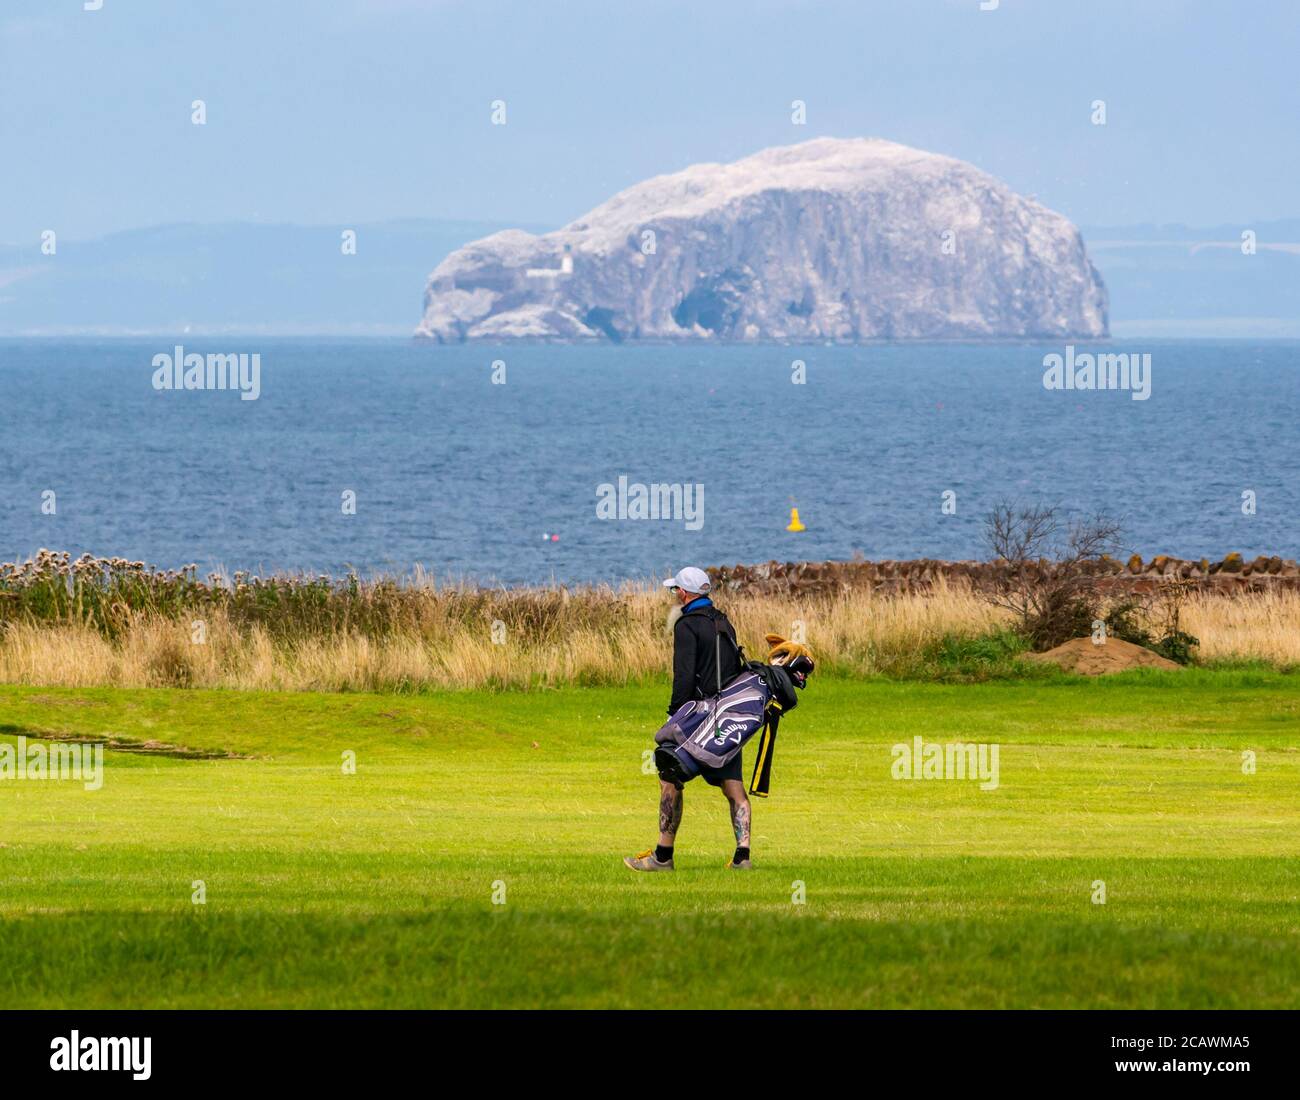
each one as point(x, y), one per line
point(356, 111)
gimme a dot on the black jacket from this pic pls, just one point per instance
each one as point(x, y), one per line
point(695, 673)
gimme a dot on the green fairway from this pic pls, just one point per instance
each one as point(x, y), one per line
point(376, 889)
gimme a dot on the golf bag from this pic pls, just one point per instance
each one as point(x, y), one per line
point(710, 732)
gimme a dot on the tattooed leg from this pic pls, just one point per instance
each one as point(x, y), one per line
point(739, 802)
point(671, 804)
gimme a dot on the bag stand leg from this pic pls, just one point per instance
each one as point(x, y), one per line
point(761, 780)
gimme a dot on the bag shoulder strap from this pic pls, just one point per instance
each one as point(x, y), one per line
point(717, 641)
point(717, 647)
point(717, 651)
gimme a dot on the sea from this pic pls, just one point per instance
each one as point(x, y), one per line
point(529, 464)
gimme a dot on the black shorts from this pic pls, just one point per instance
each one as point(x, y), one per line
point(730, 770)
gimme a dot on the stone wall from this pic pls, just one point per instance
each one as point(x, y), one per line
point(1231, 575)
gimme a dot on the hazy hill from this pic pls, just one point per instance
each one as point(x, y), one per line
point(1174, 280)
point(232, 277)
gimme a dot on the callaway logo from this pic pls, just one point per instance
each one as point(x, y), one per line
point(727, 730)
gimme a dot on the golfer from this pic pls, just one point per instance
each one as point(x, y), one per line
point(695, 676)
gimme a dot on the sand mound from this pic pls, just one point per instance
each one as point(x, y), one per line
point(1081, 656)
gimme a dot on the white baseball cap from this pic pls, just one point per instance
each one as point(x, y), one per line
point(690, 579)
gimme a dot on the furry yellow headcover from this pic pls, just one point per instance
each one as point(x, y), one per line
point(782, 651)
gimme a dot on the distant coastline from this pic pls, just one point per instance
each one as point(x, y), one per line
point(291, 282)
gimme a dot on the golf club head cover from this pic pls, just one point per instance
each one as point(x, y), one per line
point(783, 652)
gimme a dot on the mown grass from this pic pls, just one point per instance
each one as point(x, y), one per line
point(376, 889)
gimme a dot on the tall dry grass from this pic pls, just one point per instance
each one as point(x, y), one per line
point(1249, 627)
point(112, 622)
point(444, 639)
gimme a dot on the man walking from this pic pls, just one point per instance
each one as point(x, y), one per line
point(696, 676)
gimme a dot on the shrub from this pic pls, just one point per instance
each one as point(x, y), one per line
point(1052, 589)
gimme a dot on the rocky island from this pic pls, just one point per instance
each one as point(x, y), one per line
point(830, 240)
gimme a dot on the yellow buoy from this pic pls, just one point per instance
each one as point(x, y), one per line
point(794, 524)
